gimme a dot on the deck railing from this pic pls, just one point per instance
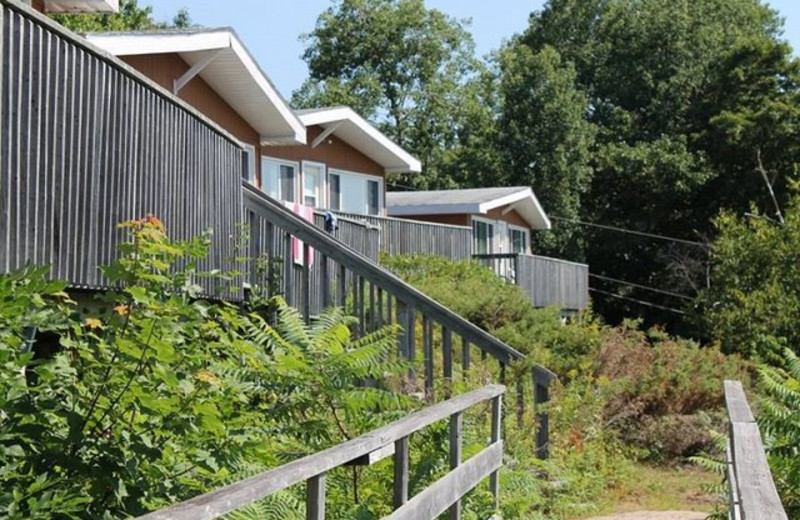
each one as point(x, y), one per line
point(377, 297)
point(86, 142)
point(752, 492)
point(412, 237)
point(391, 440)
point(546, 281)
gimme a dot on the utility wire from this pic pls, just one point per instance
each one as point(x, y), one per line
point(644, 287)
point(631, 232)
point(640, 302)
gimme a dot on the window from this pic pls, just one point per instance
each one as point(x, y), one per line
point(355, 193)
point(336, 191)
point(249, 164)
point(518, 238)
point(278, 178)
point(482, 236)
point(313, 175)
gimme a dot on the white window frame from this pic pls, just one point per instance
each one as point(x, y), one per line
point(366, 177)
point(285, 162)
point(525, 231)
point(322, 186)
point(491, 238)
point(251, 163)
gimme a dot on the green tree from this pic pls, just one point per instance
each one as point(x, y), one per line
point(131, 17)
point(399, 64)
point(690, 101)
point(544, 137)
point(754, 299)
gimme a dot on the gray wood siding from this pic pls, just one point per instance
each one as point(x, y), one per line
point(410, 237)
point(87, 143)
point(546, 281)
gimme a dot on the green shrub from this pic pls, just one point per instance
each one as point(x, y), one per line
point(780, 423)
point(158, 396)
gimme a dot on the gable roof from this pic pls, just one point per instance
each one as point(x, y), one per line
point(477, 201)
point(347, 125)
point(221, 59)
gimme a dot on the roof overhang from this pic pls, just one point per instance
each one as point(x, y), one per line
point(523, 202)
point(347, 125)
point(81, 6)
point(219, 57)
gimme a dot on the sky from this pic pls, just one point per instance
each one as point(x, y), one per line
point(270, 29)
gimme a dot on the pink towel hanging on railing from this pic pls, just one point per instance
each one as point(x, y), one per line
point(307, 213)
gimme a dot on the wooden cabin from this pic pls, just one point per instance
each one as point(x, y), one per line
point(502, 219)
point(327, 158)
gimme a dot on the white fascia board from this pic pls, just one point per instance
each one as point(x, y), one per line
point(410, 164)
point(433, 209)
point(121, 44)
point(506, 199)
point(298, 128)
point(526, 197)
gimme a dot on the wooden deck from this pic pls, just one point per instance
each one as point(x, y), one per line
point(546, 281)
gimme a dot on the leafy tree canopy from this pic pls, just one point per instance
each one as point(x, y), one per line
point(690, 100)
point(754, 299)
point(131, 17)
point(406, 67)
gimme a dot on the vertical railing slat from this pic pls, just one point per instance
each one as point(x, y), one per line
point(455, 434)
point(315, 498)
point(497, 417)
point(400, 472)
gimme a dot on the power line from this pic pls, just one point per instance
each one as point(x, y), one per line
point(639, 286)
point(640, 302)
point(632, 232)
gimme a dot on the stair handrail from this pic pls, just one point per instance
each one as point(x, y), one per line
point(444, 493)
point(275, 212)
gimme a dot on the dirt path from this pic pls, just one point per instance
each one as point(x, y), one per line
point(654, 515)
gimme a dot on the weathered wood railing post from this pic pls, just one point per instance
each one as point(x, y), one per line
point(427, 353)
point(541, 395)
point(447, 360)
point(306, 282)
point(325, 281)
point(315, 498)
point(400, 472)
point(497, 418)
point(456, 434)
point(465, 355)
point(288, 269)
point(341, 293)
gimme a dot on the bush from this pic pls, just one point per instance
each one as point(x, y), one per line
point(158, 396)
point(654, 386)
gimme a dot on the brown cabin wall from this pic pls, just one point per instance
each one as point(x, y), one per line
point(164, 69)
point(334, 152)
point(463, 219)
point(512, 217)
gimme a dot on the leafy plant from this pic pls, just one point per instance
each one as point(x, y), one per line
point(157, 395)
point(780, 424)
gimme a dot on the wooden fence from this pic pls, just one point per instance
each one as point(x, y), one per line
point(752, 493)
point(377, 297)
point(86, 142)
point(391, 440)
point(546, 281)
point(412, 237)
